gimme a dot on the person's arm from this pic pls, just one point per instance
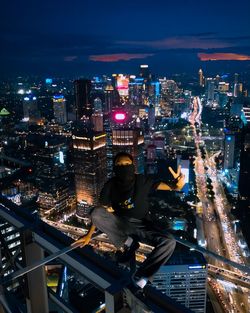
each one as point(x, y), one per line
point(87, 238)
point(178, 182)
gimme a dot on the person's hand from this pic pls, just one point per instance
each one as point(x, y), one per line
point(178, 177)
point(83, 241)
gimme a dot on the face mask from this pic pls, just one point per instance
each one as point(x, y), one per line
point(124, 173)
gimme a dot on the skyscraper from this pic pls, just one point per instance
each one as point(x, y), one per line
point(244, 177)
point(131, 141)
point(210, 89)
point(183, 278)
point(48, 156)
point(82, 89)
point(30, 109)
point(89, 164)
point(144, 71)
point(60, 112)
point(201, 78)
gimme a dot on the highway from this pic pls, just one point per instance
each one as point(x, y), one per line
point(217, 227)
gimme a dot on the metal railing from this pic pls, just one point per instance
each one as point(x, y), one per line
point(38, 237)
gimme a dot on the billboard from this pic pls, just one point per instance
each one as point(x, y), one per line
point(122, 82)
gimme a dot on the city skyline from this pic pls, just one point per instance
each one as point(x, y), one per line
point(90, 38)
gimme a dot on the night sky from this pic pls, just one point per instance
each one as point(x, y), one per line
point(82, 37)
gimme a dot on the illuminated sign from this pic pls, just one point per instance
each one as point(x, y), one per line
point(120, 116)
point(196, 267)
point(144, 66)
point(48, 81)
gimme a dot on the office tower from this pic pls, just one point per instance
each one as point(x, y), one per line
point(223, 87)
point(89, 164)
point(217, 80)
point(131, 141)
point(232, 131)
point(236, 78)
point(151, 116)
point(136, 91)
point(109, 99)
point(201, 78)
point(144, 71)
point(60, 112)
point(46, 107)
point(48, 156)
point(238, 87)
point(229, 150)
point(244, 177)
point(30, 109)
point(122, 85)
point(210, 89)
point(82, 88)
point(10, 245)
point(97, 121)
point(183, 279)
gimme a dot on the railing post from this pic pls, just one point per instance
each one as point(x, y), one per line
point(37, 295)
point(114, 299)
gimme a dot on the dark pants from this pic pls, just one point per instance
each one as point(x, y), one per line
point(119, 228)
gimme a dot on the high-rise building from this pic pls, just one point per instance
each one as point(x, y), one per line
point(131, 141)
point(82, 89)
point(201, 78)
point(210, 89)
point(30, 109)
point(238, 88)
point(97, 121)
point(183, 279)
point(232, 131)
point(90, 165)
point(48, 156)
point(244, 177)
point(60, 112)
point(229, 150)
point(144, 71)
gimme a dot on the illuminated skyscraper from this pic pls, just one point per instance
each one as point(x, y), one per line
point(201, 78)
point(30, 109)
point(82, 89)
point(238, 88)
point(131, 141)
point(60, 112)
point(210, 89)
point(183, 279)
point(144, 71)
point(48, 156)
point(90, 165)
point(232, 142)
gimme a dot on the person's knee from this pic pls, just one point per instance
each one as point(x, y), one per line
point(96, 215)
point(170, 243)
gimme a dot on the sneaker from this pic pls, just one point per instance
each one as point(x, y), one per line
point(128, 252)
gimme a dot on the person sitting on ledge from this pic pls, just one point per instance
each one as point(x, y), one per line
point(122, 214)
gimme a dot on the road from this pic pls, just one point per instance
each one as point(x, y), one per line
point(217, 226)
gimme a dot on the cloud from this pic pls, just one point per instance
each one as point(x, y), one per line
point(119, 57)
point(223, 57)
point(70, 58)
point(194, 41)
